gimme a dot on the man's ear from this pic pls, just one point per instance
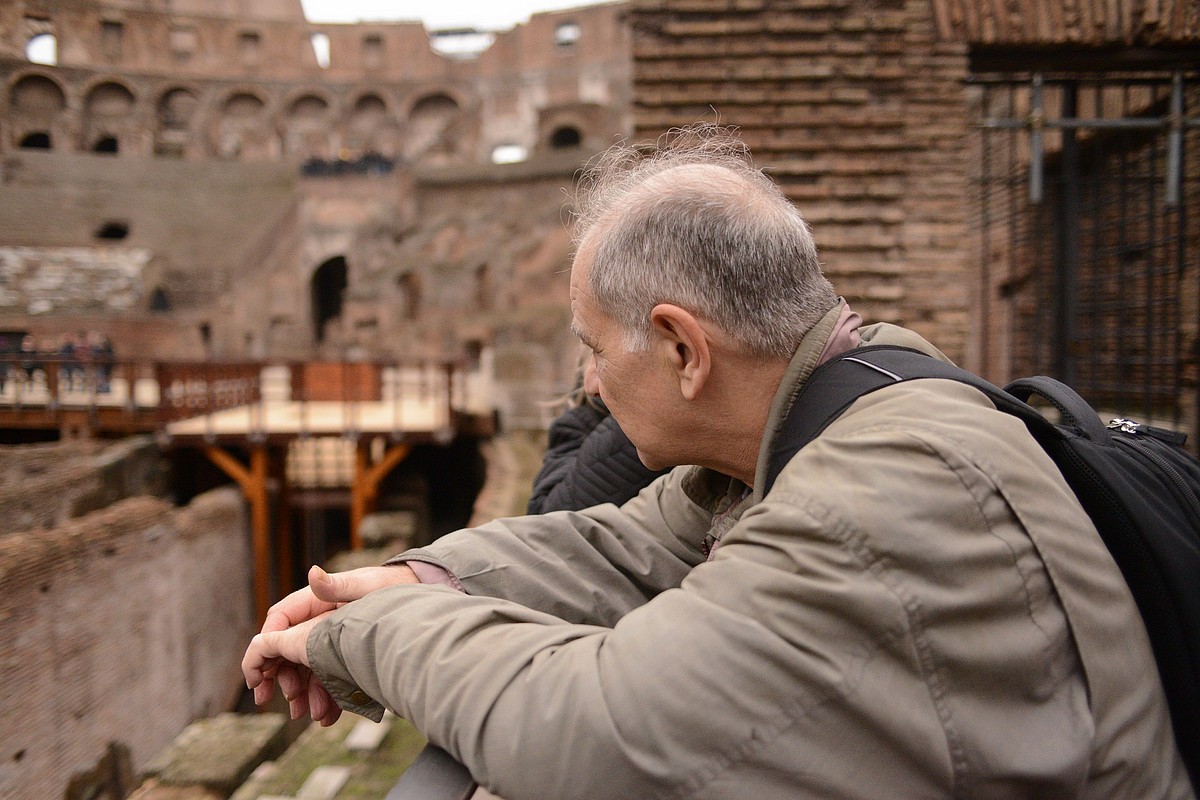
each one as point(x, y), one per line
point(684, 344)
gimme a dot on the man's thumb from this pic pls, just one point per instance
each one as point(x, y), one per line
point(332, 588)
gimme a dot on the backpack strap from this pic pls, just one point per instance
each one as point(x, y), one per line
point(836, 384)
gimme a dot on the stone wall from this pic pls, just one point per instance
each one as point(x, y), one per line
point(116, 631)
point(301, 211)
point(45, 485)
point(858, 112)
point(209, 84)
point(40, 280)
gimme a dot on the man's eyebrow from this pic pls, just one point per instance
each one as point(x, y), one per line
point(580, 334)
point(587, 340)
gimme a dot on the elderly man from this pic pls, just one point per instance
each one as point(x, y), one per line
point(917, 608)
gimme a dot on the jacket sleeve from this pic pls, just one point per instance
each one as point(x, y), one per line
point(589, 461)
point(592, 566)
point(668, 699)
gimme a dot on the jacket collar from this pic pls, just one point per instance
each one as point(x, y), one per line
point(812, 350)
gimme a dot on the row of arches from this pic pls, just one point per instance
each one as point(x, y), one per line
point(237, 123)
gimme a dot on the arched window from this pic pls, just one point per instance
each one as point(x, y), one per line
point(107, 108)
point(427, 122)
point(42, 49)
point(35, 104)
point(306, 134)
point(174, 113)
point(176, 108)
point(328, 292)
point(241, 130)
point(110, 100)
point(565, 137)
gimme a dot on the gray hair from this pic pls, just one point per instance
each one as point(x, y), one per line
point(692, 222)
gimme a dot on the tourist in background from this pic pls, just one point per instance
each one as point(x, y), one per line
point(589, 460)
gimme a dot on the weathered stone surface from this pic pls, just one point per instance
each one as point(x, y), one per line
point(366, 735)
point(119, 628)
point(324, 783)
point(221, 752)
point(154, 790)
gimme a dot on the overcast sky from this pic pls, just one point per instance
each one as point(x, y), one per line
point(482, 14)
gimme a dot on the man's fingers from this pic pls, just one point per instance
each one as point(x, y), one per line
point(297, 607)
point(321, 706)
point(298, 700)
point(289, 681)
point(264, 691)
point(345, 587)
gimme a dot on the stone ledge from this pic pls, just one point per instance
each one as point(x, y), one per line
point(220, 753)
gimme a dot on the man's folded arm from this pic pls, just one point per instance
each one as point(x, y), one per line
point(591, 566)
point(537, 707)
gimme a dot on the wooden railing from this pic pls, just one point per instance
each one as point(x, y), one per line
point(150, 395)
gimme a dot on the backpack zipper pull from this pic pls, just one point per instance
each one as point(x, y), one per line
point(1125, 425)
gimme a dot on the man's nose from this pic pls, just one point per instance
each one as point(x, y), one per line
point(591, 381)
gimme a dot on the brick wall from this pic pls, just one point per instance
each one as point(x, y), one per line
point(45, 485)
point(120, 627)
point(858, 112)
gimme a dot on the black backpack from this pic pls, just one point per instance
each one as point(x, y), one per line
point(1137, 483)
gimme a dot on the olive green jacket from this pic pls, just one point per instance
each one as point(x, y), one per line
point(918, 609)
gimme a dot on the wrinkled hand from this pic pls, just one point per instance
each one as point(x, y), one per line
point(279, 654)
point(281, 657)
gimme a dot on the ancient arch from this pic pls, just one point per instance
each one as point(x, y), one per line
point(328, 289)
point(35, 104)
point(370, 127)
point(173, 116)
point(242, 129)
point(306, 127)
point(106, 110)
point(428, 124)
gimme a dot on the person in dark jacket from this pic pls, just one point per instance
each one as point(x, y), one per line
point(589, 460)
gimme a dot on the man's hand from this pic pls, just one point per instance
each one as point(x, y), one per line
point(279, 655)
point(282, 657)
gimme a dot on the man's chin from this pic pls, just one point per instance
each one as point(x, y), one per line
point(652, 462)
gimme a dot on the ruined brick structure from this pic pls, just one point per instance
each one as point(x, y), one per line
point(907, 132)
point(273, 202)
point(118, 629)
point(275, 188)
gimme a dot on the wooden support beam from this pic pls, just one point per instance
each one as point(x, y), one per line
point(284, 568)
point(253, 482)
point(365, 489)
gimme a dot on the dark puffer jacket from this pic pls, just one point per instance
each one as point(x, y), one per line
point(589, 461)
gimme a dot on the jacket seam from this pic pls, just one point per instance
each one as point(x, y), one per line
point(842, 531)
